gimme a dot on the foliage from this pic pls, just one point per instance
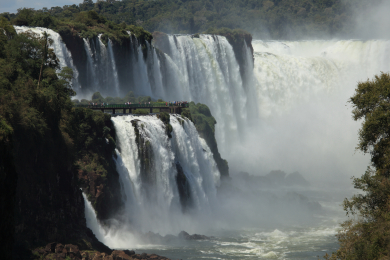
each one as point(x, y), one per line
point(140, 111)
point(76, 21)
point(201, 116)
point(264, 18)
point(32, 137)
point(45, 138)
point(165, 118)
point(371, 103)
point(368, 235)
point(129, 97)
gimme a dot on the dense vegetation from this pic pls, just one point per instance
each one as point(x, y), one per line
point(129, 97)
point(46, 144)
point(263, 18)
point(87, 24)
point(367, 234)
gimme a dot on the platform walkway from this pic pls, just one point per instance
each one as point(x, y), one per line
point(128, 108)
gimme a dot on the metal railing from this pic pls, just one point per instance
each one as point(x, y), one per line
point(121, 106)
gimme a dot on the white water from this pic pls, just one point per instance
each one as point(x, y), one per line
point(291, 98)
point(305, 120)
point(62, 53)
point(113, 66)
point(292, 115)
point(153, 203)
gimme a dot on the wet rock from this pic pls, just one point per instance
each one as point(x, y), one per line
point(121, 255)
point(57, 251)
point(186, 236)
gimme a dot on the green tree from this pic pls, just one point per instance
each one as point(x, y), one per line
point(367, 235)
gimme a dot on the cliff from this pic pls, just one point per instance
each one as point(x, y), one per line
point(93, 135)
point(41, 201)
point(204, 122)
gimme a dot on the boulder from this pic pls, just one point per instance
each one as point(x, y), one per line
point(59, 248)
point(73, 251)
point(51, 247)
point(121, 255)
point(186, 236)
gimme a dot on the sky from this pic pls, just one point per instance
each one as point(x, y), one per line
point(11, 6)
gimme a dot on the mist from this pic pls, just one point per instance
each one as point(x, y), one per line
point(372, 21)
point(305, 121)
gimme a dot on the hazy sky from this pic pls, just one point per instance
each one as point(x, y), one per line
point(12, 5)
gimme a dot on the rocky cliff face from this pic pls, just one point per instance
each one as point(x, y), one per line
point(94, 148)
point(48, 204)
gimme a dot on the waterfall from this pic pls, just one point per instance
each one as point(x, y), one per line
point(59, 47)
point(201, 69)
point(92, 221)
point(207, 72)
point(91, 74)
point(305, 121)
point(290, 72)
point(113, 66)
point(152, 197)
point(290, 96)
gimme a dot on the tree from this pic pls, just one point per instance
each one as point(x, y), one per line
point(367, 236)
point(372, 103)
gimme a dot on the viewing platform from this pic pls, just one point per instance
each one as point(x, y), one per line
point(128, 108)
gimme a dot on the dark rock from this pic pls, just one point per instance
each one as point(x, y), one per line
point(97, 256)
point(129, 252)
point(51, 247)
point(184, 188)
point(73, 251)
point(186, 236)
point(121, 255)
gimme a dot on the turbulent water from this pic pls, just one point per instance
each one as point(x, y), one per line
point(154, 203)
point(302, 92)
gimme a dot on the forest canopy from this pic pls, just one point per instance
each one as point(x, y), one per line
point(277, 19)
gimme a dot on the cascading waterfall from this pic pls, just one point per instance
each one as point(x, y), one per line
point(113, 66)
point(102, 74)
point(208, 72)
point(91, 67)
point(152, 197)
point(290, 72)
point(291, 96)
point(200, 69)
point(59, 47)
point(302, 93)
